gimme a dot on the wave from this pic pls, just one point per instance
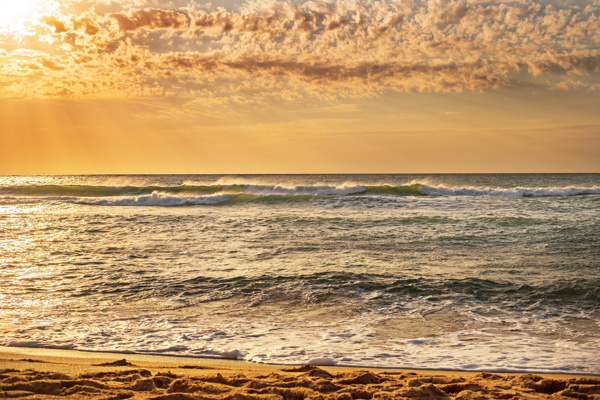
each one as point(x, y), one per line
point(381, 290)
point(159, 199)
point(103, 191)
point(213, 194)
point(509, 192)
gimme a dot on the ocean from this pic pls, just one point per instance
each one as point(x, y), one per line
point(496, 272)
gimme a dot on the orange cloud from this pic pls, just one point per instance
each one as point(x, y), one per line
point(51, 65)
point(52, 21)
point(87, 24)
point(322, 48)
point(151, 19)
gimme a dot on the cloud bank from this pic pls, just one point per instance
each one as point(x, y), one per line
point(287, 50)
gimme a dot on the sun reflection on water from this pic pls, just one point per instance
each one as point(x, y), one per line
point(28, 271)
point(27, 240)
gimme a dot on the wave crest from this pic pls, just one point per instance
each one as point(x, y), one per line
point(235, 193)
point(164, 200)
point(508, 192)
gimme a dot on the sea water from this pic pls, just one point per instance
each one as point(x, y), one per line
point(469, 272)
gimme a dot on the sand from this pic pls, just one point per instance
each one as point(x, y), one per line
point(42, 373)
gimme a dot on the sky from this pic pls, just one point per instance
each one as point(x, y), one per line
point(269, 86)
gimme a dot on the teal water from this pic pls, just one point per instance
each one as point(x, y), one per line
point(495, 272)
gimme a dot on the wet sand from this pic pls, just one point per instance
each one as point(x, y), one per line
point(43, 373)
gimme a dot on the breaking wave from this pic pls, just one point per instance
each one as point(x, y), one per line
point(159, 199)
point(215, 194)
point(509, 192)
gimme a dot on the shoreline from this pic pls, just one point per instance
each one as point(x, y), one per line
point(49, 352)
point(47, 373)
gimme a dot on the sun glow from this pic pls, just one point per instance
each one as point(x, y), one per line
point(15, 14)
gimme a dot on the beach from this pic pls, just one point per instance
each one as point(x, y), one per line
point(47, 373)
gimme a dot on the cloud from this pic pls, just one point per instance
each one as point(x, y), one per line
point(474, 75)
point(87, 24)
point(51, 65)
point(151, 19)
point(580, 63)
point(54, 22)
point(321, 48)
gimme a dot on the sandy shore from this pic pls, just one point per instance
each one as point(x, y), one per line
point(42, 373)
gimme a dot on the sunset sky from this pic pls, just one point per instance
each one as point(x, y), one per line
point(338, 86)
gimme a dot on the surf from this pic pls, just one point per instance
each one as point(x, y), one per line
point(233, 192)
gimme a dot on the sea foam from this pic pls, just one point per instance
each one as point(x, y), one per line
point(161, 199)
point(502, 192)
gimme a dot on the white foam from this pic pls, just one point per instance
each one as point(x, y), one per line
point(322, 361)
point(317, 190)
point(166, 350)
point(514, 192)
point(356, 340)
point(160, 199)
point(230, 355)
point(40, 344)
